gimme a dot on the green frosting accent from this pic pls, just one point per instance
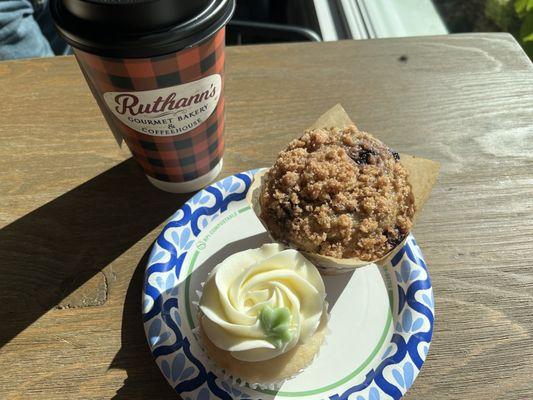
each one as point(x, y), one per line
point(275, 323)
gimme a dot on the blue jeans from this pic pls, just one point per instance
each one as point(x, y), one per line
point(26, 30)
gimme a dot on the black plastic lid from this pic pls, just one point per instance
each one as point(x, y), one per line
point(138, 28)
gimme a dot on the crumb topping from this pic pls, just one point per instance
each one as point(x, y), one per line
point(340, 193)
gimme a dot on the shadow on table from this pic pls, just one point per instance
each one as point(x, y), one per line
point(48, 253)
point(144, 380)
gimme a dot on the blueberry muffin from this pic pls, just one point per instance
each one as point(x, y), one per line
point(340, 193)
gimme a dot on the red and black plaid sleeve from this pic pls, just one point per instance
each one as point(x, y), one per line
point(168, 158)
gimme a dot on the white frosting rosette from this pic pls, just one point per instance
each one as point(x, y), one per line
point(260, 303)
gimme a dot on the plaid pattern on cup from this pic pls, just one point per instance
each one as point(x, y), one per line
point(176, 158)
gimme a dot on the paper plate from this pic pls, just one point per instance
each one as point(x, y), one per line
point(381, 318)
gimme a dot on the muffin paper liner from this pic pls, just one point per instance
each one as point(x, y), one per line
point(422, 177)
point(235, 380)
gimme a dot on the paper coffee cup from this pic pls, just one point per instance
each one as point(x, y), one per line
point(156, 70)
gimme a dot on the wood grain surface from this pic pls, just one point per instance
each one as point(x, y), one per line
point(77, 217)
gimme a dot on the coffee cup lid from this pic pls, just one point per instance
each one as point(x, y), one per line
point(138, 28)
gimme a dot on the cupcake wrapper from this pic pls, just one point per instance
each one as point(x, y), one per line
point(237, 381)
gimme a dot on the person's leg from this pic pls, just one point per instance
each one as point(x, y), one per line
point(20, 35)
point(44, 19)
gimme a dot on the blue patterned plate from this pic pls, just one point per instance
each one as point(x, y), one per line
point(381, 319)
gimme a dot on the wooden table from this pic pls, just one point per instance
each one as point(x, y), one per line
point(78, 217)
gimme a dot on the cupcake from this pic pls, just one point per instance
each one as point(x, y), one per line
point(341, 196)
point(263, 315)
